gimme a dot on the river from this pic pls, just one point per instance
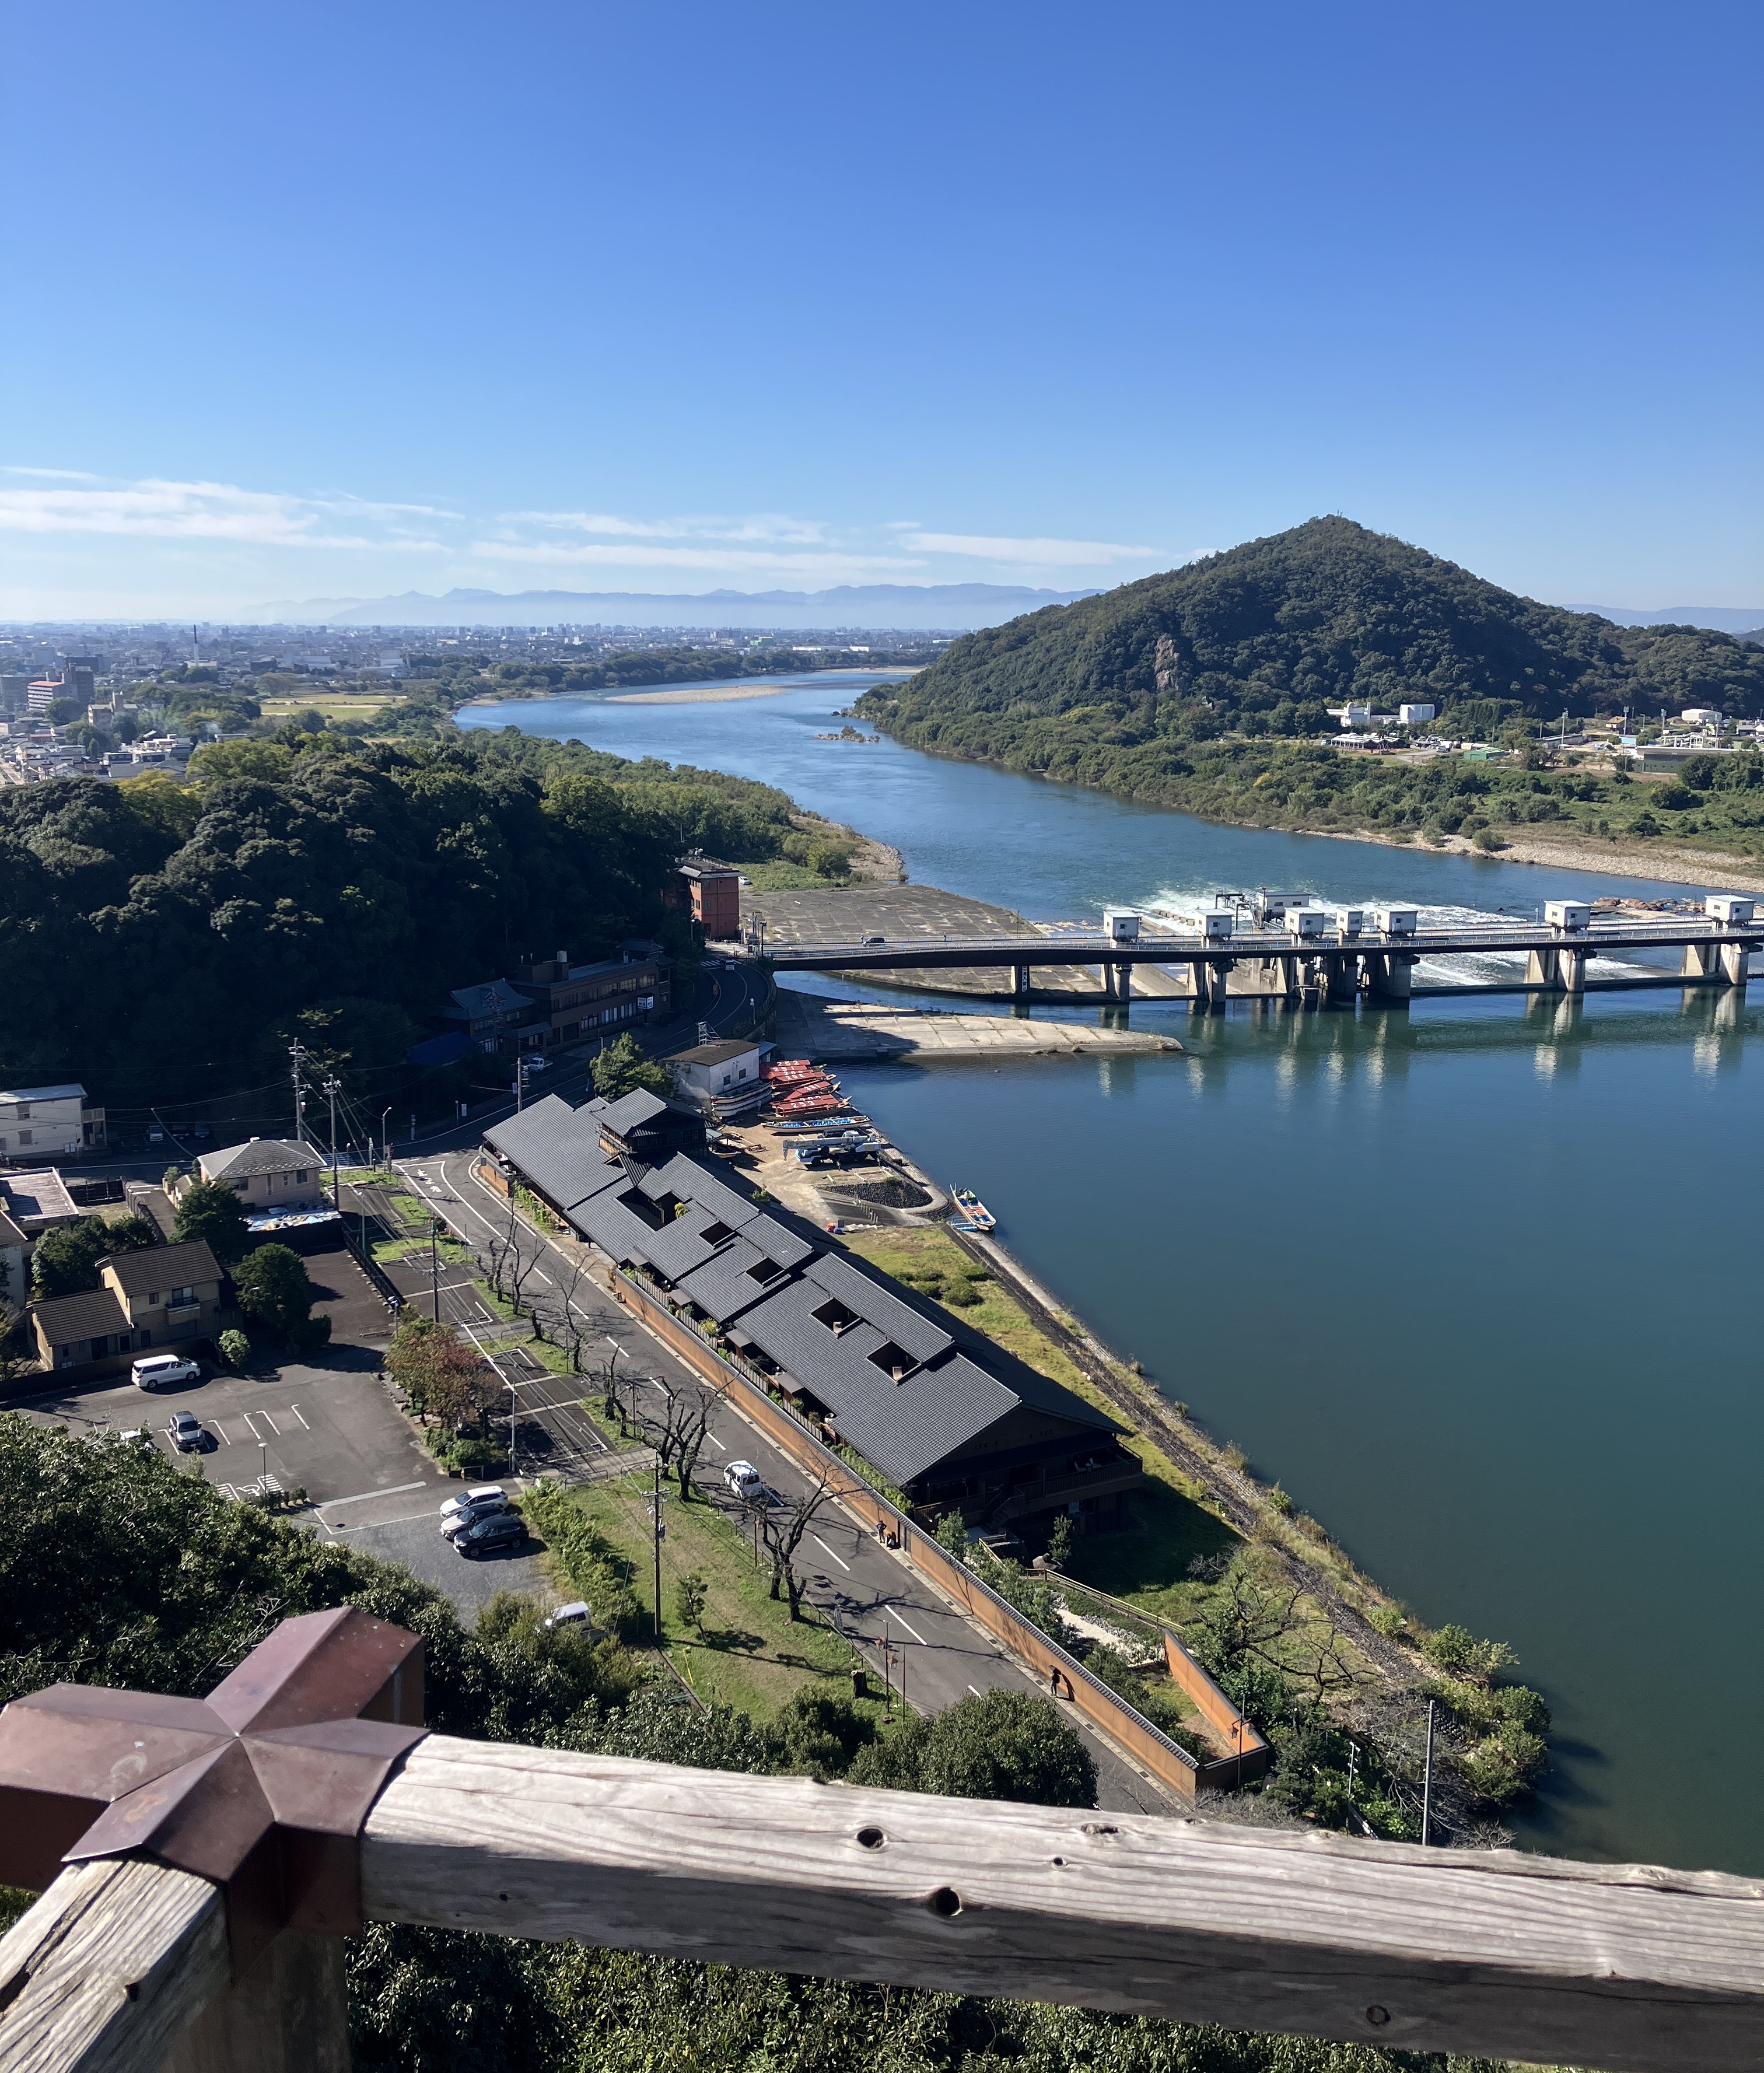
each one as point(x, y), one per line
point(1475, 1281)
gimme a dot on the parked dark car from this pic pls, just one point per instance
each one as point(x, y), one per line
point(501, 1529)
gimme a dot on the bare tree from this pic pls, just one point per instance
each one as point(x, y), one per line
point(564, 1321)
point(677, 1431)
point(782, 1528)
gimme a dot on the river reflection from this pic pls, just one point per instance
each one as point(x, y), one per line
point(1476, 1280)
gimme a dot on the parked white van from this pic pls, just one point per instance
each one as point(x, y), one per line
point(155, 1370)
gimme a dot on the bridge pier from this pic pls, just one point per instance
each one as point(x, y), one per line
point(1210, 976)
point(1736, 962)
point(1117, 981)
point(1019, 981)
point(1389, 974)
point(1339, 976)
point(1699, 960)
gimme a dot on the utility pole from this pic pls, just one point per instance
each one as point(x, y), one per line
point(435, 1268)
point(520, 1082)
point(656, 1505)
point(1426, 1780)
point(297, 1051)
point(331, 1088)
point(385, 1142)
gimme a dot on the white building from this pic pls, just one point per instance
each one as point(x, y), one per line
point(48, 1122)
point(723, 1077)
point(269, 1173)
point(1416, 715)
point(1700, 716)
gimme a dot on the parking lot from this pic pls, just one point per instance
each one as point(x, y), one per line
point(330, 1429)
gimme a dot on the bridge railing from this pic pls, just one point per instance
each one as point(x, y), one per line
point(123, 1964)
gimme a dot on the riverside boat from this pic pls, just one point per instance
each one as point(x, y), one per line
point(971, 1212)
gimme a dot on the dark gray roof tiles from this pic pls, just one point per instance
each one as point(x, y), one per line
point(631, 1111)
point(95, 1313)
point(725, 1285)
point(692, 1182)
point(686, 1241)
point(907, 1427)
point(906, 1326)
point(157, 1268)
point(614, 1227)
point(558, 1148)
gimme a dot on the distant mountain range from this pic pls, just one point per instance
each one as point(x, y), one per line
point(930, 608)
point(1744, 618)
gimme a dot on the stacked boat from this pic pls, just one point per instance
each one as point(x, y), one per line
point(803, 1093)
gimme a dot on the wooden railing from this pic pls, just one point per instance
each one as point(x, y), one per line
point(123, 1964)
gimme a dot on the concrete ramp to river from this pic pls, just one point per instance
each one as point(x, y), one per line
point(829, 1031)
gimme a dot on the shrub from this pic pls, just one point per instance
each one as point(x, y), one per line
point(235, 1348)
point(1487, 840)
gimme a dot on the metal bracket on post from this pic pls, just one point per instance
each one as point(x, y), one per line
point(262, 1787)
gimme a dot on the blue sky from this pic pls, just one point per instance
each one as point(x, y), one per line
point(341, 301)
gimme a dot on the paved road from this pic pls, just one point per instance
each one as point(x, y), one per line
point(873, 1595)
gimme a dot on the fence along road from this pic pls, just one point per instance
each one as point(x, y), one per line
point(869, 1593)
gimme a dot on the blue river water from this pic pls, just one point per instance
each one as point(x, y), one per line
point(1476, 1280)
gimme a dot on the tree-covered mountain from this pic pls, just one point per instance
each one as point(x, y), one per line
point(1259, 640)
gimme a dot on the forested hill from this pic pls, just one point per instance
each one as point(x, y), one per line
point(165, 943)
point(1259, 639)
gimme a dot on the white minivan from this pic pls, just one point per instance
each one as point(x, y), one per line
point(155, 1370)
point(741, 1479)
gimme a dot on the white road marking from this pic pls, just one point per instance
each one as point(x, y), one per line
point(826, 1550)
point(295, 1409)
point(361, 1497)
point(275, 1429)
point(215, 1425)
point(896, 1614)
point(976, 1691)
point(710, 1440)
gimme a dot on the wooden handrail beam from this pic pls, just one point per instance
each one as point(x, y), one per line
point(109, 1967)
point(1629, 1967)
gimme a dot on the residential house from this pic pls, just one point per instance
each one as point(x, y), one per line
point(951, 1419)
point(724, 1077)
point(162, 1295)
point(270, 1174)
point(49, 1123)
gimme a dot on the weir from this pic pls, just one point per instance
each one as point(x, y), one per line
point(1327, 959)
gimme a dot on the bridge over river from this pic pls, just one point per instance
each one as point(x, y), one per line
point(1313, 955)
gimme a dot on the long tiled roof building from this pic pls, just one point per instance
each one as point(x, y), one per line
point(947, 1416)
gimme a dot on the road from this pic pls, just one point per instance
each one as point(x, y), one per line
point(872, 1596)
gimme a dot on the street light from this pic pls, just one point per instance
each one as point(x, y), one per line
point(385, 1148)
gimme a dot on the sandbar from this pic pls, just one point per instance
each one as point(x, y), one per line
point(696, 695)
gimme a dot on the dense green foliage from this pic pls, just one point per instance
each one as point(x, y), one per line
point(212, 1211)
point(1199, 689)
point(117, 1568)
point(160, 940)
point(619, 1068)
point(274, 1289)
point(66, 1260)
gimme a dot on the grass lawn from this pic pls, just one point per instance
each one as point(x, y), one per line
point(748, 1654)
point(449, 1249)
point(777, 874)
point(410, 1208)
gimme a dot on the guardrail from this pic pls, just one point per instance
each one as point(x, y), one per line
point(1166, 1760)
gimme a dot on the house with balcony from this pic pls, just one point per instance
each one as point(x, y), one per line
point(162, 1296)
point(48, 1122)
